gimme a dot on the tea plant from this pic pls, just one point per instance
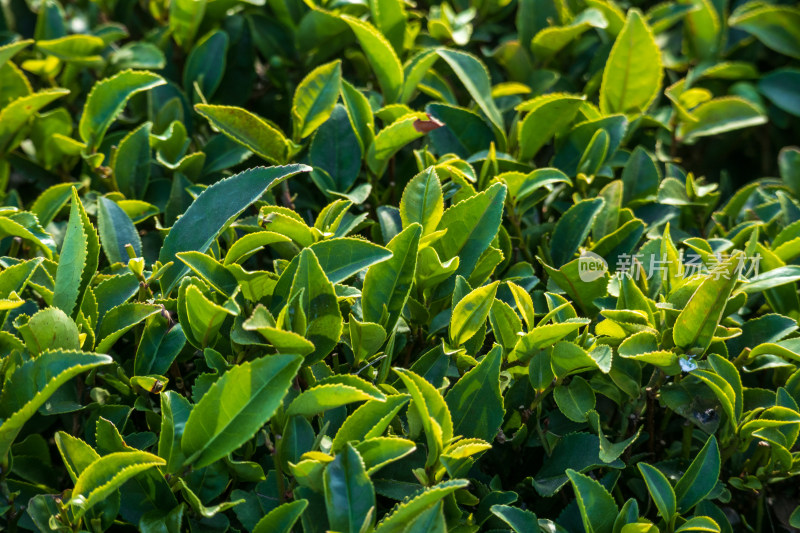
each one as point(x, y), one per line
point(393, 267)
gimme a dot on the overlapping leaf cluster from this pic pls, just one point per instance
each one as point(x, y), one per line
point(332, 266)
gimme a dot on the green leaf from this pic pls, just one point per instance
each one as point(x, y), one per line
point(107, 99)
point(8, 51)
point(282, 518)
point(390, 19)
point(381, 56)
point(633, 74)
point(575, 400)
point(777, 27)
point(315, 98)
point(698, 321)
point(360, 113)
point(336, 153)
point(320, 306)
point(475, 400)
point(236, 406)
point(76, 454)
point(349, 494)
point(471, 226)
point(159, 346)
point(185, 17)
point(699, 523)
point(719, 116)
point(119, 320)
point(474, 75)
point(392, 138)
point(702, 25)
point(78, 260)
point(211, 271)
point(116, 231)
point(213, 211)
point(471, 312)
point(17, 113)
point(660, 490)
point(49, 203)
point(49, 329)
point(782, 87)
point(415, 70)
point(431, 411)
point(175, 411)
point(249, 130)
point(388, 284)
point(597, 507)
point(549, 41)
point(344, 257)
point(547, 115)
point(700, 478)
point(205, 65)
point(73, 47)
point(794, 519)
point(108, 473)
point(520, 520)
point(130, 163)
point(572, 229)
point(369, 421)
point(33, 382)
point(422, 201)
point(327, 396)
point(403, 513)
point(377, 452)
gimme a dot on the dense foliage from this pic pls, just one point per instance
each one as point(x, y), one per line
point(372, 265)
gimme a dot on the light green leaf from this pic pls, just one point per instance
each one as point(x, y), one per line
point(315, 98)
point(236, 406)
point(327, 396)
point(78, 260)
point(107, 99)
point(431, 412)
point(547, 115)
point(422, 201)
point(369, 421)
point(404, 512)
point(381, 57)
point(344, 257)
point(282, 518)
point(392, 138)
point(633, 74)
point(33, 382)
point(471, 226)
point(471, 312)
point(698, 321)
point(107, 474)
point(249, 130)
point(319, 303)
point(19, 111)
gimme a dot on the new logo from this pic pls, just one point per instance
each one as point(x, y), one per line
point(591, 266)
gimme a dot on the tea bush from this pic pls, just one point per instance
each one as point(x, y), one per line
point(359, 266)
